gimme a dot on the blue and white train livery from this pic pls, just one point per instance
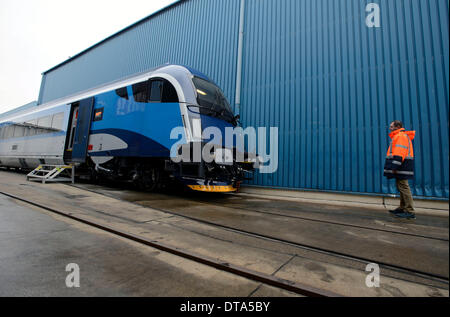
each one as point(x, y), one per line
point(122, 130)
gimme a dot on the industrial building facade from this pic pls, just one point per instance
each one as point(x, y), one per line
point(330, 74)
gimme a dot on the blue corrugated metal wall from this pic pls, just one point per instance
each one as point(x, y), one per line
point(333, 85)
point(314, 69)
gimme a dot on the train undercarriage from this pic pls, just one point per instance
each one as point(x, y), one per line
point(150, 173)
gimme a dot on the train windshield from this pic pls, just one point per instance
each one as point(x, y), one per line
point(212, 101)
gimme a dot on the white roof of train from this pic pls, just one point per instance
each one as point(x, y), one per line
point(170, 72)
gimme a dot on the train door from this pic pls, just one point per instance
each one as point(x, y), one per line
point(78, 132)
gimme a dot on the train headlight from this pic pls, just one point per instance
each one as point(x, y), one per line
point(224, 157)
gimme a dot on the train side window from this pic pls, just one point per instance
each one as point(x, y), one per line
point(19, 131)
point(122, 93)
point(9, 132)
point(29, 131)
point(1, 132)
point(140, 91)
point(31, 127)
point(45, 122)
point(57, 122)
point(169, 93)
point(98, 114)
point(156, 89)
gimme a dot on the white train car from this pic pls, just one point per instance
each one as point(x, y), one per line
point(34, 136)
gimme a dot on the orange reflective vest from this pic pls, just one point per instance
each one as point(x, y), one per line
point(400, 155)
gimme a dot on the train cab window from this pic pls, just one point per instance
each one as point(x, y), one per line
point(140, 91)
point(122, 93)
point(156, 89)
point(57, 122)
point(169, 93)
point(162, 91)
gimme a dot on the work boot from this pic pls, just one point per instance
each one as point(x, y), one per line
point(397, 211)
point(405, 215)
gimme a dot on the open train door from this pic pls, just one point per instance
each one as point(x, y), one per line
point(81, 124)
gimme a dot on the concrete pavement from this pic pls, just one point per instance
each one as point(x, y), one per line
point(36, 246)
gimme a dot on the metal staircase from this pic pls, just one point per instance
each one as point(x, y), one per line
point(53, 173)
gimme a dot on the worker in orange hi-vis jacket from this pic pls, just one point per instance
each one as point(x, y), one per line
point(400, 165)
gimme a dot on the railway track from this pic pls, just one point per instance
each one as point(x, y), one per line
point(291, 286)
point(397, 268)
point(214, 203)
point(327, 222)
point(329, 252)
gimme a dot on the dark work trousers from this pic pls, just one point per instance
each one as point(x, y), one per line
point(406, 199)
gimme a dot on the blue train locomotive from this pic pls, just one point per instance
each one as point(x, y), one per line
point(125, 130)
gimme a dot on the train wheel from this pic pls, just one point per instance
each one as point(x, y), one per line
point(94, 177)
point(148, 180)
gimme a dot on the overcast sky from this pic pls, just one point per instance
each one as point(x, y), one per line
point(36, 35)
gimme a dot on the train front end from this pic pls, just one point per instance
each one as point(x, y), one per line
point(213, 156)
